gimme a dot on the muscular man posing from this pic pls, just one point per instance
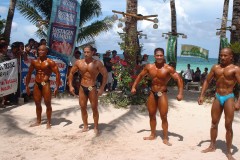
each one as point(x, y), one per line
point(226, 75)
point(44, 68)
point(89, 69)
point(160, 73)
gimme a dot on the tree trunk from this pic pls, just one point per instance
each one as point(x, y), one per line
point(224, 24)
point(8, 27)
point(131, 42)
point(235, 34)
point(174, 27)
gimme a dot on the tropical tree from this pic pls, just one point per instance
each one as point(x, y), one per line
point(2, 25)
point(132, 47)
point(235, 34)
point(174, 27)
point(35, 10)
point(8, 26)
point(223, 26)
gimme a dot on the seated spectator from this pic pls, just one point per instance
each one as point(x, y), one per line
point(145, 60)
point(197, 75)
point(204, 75)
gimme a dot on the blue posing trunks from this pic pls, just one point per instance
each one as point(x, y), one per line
point(223, 99)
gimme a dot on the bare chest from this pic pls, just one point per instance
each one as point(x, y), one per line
point(225, 73)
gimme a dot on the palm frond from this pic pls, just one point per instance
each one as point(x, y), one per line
point(41, 34)
point(28, 11)
point(88, 10)
point(92, 43)
point(89, 32)
point(43, 6)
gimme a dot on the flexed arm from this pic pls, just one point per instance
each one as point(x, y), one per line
point(206, 84)
point(139, 78)
point(237, 75)
point(28, 77)
point(55, 69)
point(104, 73)
point(179, 80)
point(70, 78)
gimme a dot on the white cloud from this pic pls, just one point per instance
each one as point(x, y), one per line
point(196, 18)
point(3, 10)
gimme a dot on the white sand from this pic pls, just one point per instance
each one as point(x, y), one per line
point(122, 132)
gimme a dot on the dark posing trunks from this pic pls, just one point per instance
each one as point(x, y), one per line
point(41, 84)
point(86, 90)
point(158, 94)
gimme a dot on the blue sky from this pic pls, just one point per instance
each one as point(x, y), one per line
point(195, 18)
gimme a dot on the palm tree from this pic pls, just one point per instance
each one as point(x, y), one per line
point(235, 34)
point(8, 26)
point(35, 10)
point(131, 41)
point(223, 25)
point(174, 27)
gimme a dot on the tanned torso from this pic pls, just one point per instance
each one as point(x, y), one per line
point(89, 71)
point(225, 78)
point(160, 76)
point(43, 69)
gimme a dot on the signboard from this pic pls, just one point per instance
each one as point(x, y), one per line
point(195, 51)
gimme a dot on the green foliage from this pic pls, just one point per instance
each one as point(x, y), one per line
point(235, 47)
point(2, 25)
point(35, 10)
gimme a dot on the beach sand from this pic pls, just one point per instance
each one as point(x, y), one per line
point(121, 133)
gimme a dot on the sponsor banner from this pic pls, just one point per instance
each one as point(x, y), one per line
point(224, 43)
point(66, 17)
point(195, 51)
point(70, 5)
point(63, 28)
point(62, 66)
point(8, 77)
point(62, 39)
point(171, 48)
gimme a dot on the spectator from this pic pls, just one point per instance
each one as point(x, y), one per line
point(108, 65)
point(3, 57)
point(204, 75)
point(188, 74)
point(145, 60)
point(197, 75)
point(115, 61)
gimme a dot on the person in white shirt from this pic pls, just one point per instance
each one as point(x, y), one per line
point(188, 75)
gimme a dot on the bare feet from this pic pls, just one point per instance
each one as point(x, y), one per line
point(230, 157)
point(35, 124)
point(48, 125)
point(165, 141)
point(85, 129)
point(151, 137)
point(209, 149)
point(96, 131)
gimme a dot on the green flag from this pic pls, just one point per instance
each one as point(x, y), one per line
point(224, 43)
point(171, 48)
point(195, 51)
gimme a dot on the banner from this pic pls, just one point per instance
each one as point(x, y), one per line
point(195, 51)
point(63, 28)
point(62, 66)
point(224, 43)
point(171, 48)
point(8, 77)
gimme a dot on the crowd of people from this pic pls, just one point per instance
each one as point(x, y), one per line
point(190, 75)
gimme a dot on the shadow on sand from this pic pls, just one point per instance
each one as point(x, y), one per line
point(221, 145)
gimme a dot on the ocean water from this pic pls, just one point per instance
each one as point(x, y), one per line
point(193, 61)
